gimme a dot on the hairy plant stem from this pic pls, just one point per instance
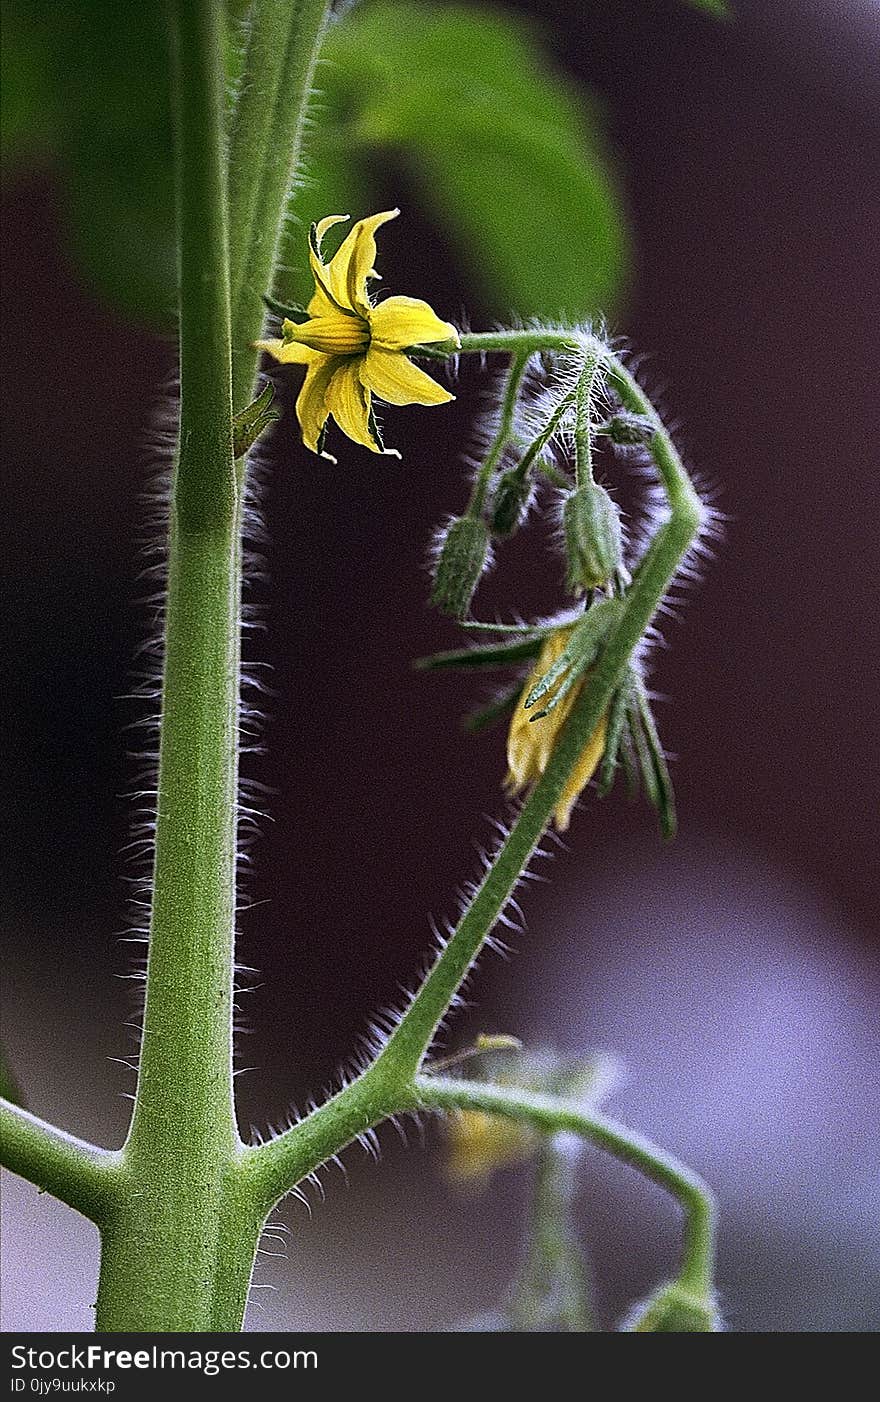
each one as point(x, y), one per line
point(394, 1083)
point(77, 1173)
point(583, 433)
point(553, 1114)
point(475, 506)
point(265, 150)
point(166, 1261)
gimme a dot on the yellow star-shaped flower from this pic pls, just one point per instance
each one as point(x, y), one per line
point(530, 743)
point(353, 348)
point(479, 1144)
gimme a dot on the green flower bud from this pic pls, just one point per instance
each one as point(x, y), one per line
point(510, 501)
point(628, 430)
point(673, 1310)
point(593, 538)
point(463, 554)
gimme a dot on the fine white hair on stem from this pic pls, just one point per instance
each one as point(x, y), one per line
point(145, 689)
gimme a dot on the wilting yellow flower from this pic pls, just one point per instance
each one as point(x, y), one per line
point(530, 743)
point(353, 348)
point(481, 1143)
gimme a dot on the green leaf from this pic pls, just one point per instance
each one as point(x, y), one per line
point(96, 79)
point(500, 151)
point(452, 108)
point(24, 88)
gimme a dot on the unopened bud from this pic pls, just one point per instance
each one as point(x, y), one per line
point(673, 1310)
point(510, 502)
point(628, 430)
point(462, 557)
point(593, 538)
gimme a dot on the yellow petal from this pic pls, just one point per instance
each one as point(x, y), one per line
point(320, 305)
point(349, 403)
point(324, 302)
point(530, 743)
point(287, 352)
point(396, 380)
point(327, 223)
point(311, 407)
point(479, 1144)
point(581, 775)
point(345, 276)
point(399, 322)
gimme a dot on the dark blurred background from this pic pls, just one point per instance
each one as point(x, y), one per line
point(735, 974)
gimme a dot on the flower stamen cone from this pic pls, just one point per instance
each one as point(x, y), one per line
point(531, 742)
point(353, 348)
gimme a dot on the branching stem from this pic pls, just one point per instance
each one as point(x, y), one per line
point(181, 1206)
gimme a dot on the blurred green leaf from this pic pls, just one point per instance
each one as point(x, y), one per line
point(110, 71)
point(497, 149)
point(714, 7)
point(501, 152)
point(25, 92)
point(91, 86)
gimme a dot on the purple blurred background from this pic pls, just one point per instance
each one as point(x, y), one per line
point(736, 974)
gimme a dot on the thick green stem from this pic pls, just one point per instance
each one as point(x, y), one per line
point(168, 1251)
point(264, 155)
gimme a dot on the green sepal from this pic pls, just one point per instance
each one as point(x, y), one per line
point(287, 312)
point(463, 557)
point(629, 764)
point(254, 420)
point(321, 445)
point(495, 655)
point(438, 350)
point(581, 651)
point(628, 430)
point(673, 1309)
point(613, 742)
point(510, 501)
point(652, 760)
point(593, 538)
point(375, 431)
point(538, 630)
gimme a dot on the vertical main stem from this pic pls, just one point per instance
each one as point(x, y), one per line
point(177, 1255)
